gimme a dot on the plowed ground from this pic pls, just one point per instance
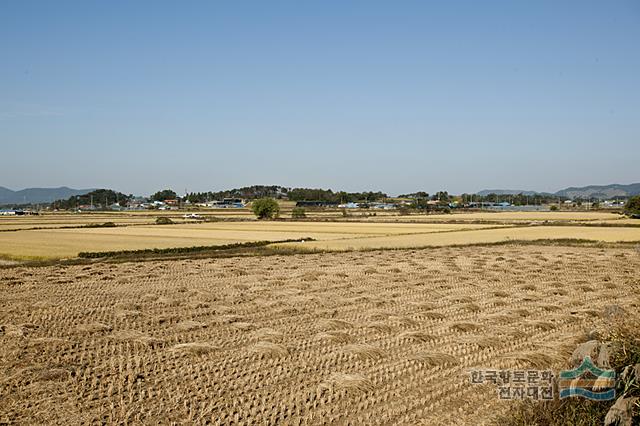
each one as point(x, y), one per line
point(368, 338)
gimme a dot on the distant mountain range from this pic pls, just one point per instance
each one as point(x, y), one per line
point(593, 191)
point(38, 195)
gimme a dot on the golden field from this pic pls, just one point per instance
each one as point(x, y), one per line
point(481, 236)
point(64, 243)
point(50, 236)
point(380, 337)
point(508, 217)
point(54, 220)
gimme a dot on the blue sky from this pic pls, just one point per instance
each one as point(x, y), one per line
point(361, 95)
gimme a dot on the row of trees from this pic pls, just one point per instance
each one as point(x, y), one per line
point(100, 199)
point(248, 193)
point(327, 195)
point(279, 192)
point(421, 196)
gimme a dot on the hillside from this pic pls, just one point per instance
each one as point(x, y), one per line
point(601, 191)
point(593, 191)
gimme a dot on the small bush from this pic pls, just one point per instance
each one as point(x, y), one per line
point(164, 221)
point(265, 208)
point(403, 211)
point(101, 225)
point(554, 208)
point(298, 213)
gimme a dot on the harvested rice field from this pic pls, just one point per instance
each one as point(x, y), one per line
point(509, 217)
point(65, 243)
point(136, 232)
point(480, 236)
point(66, 220)
point(379, 337)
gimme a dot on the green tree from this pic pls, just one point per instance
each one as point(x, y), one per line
point(165, 194)
point(265, 208)
point(633, 206)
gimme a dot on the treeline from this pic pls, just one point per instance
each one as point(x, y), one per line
point(442, 196)
point(327, 195)
point(280, 192)
point(248, 193)
point(100, 199)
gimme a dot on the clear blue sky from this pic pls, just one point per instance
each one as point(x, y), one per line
point(392, 96)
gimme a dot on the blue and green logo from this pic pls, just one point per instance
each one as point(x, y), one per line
point(588, 381)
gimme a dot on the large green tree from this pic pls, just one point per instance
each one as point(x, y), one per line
point(165, 194)
point(633, 206)
point(265, 208)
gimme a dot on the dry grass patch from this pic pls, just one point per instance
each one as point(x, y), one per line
point(550, 307)
point(417, 336)
point(267, 334)
point(230, 319)
point(427, 306)
point(269, 349)
point(190, 325)
point(335, 336)
point(482, 342)
point(349, 382)
point(193, 348)
point(542, 325)
point(134, 336)
point(381, 326)
point(466, 327)
point(364, 351)
point(334, 324)
point(94, 327)
point(403, 320)
point(471, 307)
point(535, 359)
point(432, 315)
point(243, 326)
point(432, 359)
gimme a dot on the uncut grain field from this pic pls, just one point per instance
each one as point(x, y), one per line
point(377, 337)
